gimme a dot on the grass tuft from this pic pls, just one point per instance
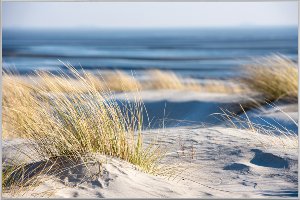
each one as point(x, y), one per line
point(74, 124)
point(164, 80)
point(276, 77)
point(267, 135)
point(120, 81)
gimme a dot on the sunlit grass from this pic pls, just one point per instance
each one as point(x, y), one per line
point(228, 87)
point(267, 135)
point(276, 77)
point(120, 81)
point(86, 120)
point(166, 80)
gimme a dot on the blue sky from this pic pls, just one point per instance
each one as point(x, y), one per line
point(147, 14)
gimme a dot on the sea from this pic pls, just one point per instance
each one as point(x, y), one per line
point(204, 53)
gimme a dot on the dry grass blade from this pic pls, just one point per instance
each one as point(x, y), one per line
point(164, 80)
point(275, 77)
point(86, 120)
point(267, 135)
point(120, 81)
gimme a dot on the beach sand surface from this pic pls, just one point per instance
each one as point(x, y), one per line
point(205, 158)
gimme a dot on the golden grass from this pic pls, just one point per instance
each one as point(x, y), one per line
point(64, 83)
point(14, 89)
point(169, 80)
point(267, 135)
point(164, 80)
point(229, 87)
point(275, 77)
point(18, 178)
point(121, 82)
point(87, 120)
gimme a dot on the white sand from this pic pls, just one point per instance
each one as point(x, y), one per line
point(217, 162)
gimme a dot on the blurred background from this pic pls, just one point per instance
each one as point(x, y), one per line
point(199, 40)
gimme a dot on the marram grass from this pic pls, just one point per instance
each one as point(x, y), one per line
point(275, 77)
point(83, 121)
point(120, 81)
point(268, 135)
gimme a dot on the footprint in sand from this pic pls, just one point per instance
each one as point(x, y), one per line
point(237, 167)
point(268, 160)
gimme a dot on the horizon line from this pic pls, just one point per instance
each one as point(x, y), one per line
point(149, 28)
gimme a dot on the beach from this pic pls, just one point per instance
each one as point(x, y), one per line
point(207, 159)
point(203, 112)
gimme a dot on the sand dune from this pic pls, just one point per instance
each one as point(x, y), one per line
point(226, 163)
point(182, 108)
point(208, 159)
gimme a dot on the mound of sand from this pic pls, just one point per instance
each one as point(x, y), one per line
point(210, 161)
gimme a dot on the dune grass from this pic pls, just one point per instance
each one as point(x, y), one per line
point(228, 87)
point(267, 135)
point(87, 120)
point(15, 99)
point(276, 77)
point(64, 83)
point(120, 81)
point(17, 179)
point(167, 80)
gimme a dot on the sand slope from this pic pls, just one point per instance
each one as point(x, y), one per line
point(209, 161)
point(225, 163)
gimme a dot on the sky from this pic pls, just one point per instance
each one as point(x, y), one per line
point(95, 15)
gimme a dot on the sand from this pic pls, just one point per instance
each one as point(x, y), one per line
point(208, 158)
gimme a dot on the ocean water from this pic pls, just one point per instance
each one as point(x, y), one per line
point(199, 53)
